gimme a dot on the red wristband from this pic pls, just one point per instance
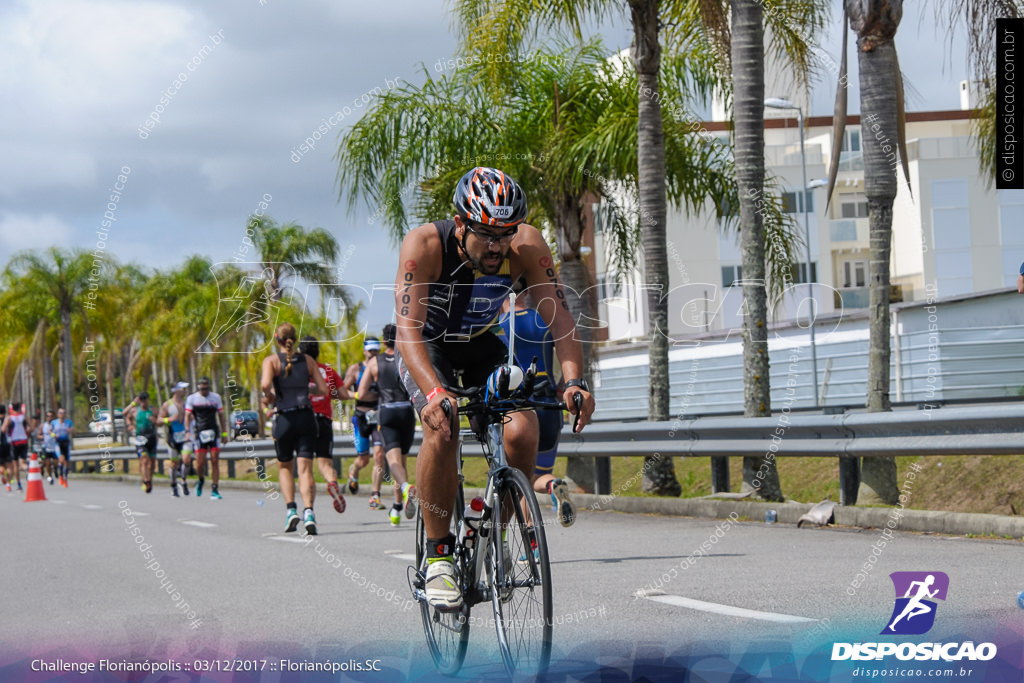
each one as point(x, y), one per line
point(434, 392)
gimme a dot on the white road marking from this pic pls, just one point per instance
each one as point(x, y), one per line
point(140, 514)
point(88, 506)
point(405, 557)
point(202, 525)
point(727, 610)
point(59, 502)
point(289, 539)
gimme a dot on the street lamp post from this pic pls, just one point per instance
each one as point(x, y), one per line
point(780, 103)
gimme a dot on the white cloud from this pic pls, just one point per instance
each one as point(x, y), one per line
point(20, 231)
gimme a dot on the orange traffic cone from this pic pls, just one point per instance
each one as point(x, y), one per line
point(34, 490)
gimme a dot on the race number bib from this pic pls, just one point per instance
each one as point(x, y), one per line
point(140, 440)
point(371, 417)
point(179, 437)
point(207, 436)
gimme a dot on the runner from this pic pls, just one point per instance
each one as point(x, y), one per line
point(285, 384)
point(204, 413)
point(364, 434)
point(141, 419)
point(17, 427)
point(533, 340)
point(172, 416)
point(49, 445)
point(397, 423)
point(323, 409)
point(62, 427)
point(5, 451)
point(452, 278)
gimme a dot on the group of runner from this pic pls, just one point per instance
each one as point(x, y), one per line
point(18, 433)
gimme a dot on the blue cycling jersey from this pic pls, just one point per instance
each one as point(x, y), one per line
point(533, 338)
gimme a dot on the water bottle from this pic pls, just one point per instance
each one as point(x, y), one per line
point(471, 522)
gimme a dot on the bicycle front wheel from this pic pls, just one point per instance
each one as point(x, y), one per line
point(520, 577)
point(447, 632)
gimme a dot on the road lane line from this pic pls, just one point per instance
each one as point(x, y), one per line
point(89, 506)
point(288, 539)
point(405, 557)
point(201, 525)
point(727, 610)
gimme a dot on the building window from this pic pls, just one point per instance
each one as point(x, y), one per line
point(791, 202)
point(800, 272)
point(851, 141)
point(731, 275)
point(855, 273)
point(853, 207)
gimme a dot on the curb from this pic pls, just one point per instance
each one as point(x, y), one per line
point(924, 521)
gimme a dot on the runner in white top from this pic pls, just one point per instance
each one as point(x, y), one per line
point(204, 412)
point(179, 451)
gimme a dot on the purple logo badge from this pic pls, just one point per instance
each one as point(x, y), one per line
point(916, 592)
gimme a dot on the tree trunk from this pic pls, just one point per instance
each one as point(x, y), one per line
point(157, 390)
point(875, 24)
point(67, 368)
point(760, 474)
point(579, 297)
point(659, 471)
point(110, 395)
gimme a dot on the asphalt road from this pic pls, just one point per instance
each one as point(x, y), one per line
point(79, 586)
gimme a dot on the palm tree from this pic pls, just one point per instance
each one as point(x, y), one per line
point(64, 277)
point(565, 128)
point(882, 118)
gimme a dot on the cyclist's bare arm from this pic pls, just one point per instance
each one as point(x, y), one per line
point(419, 264)
point(369, 376)
point(537, 266)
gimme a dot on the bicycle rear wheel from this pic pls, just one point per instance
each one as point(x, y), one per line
point(447, 632)
point(520, 578)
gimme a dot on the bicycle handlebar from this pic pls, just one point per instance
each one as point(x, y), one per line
point(505, 405)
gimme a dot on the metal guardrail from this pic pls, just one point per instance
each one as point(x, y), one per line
point(975, 430)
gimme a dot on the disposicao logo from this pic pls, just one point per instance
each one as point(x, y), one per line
point(916, 592)
point(913, 615)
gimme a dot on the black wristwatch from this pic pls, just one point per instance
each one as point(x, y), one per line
point(581, 383)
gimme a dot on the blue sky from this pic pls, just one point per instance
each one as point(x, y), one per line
point(82, 77)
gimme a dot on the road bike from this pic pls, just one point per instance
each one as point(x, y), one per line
point(507, 562)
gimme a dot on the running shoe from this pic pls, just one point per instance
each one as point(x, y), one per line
point(8, 487)
point(148, 486)
point(396, 517)
point(49, 480)
point(310, 523)
point(199, 488)
point(174, 491)
point(536, 557)
point(409, 500)
point(375, 501)
point(291, 520)
point(215, 495)
point(184, 488)
point(353, 485)
point(564, 508)
point(19, 486)
point(335, 493)
point(64, 482)
point(442, 586)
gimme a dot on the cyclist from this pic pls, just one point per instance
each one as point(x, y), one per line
point(141, 419)
point(204, 413)
point(17, 427)
point(49, 446)
point(61, 428)
point(452, 278)
point(323, 409)
point(285, 382)
point(533, 340)
point(397, 423)
point(363, 433)
point(172, 416)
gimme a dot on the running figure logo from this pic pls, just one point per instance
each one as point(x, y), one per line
point(914, 612)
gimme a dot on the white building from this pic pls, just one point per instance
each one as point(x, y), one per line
point(953, 235)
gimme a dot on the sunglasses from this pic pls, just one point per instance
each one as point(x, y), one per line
point(503, 239)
